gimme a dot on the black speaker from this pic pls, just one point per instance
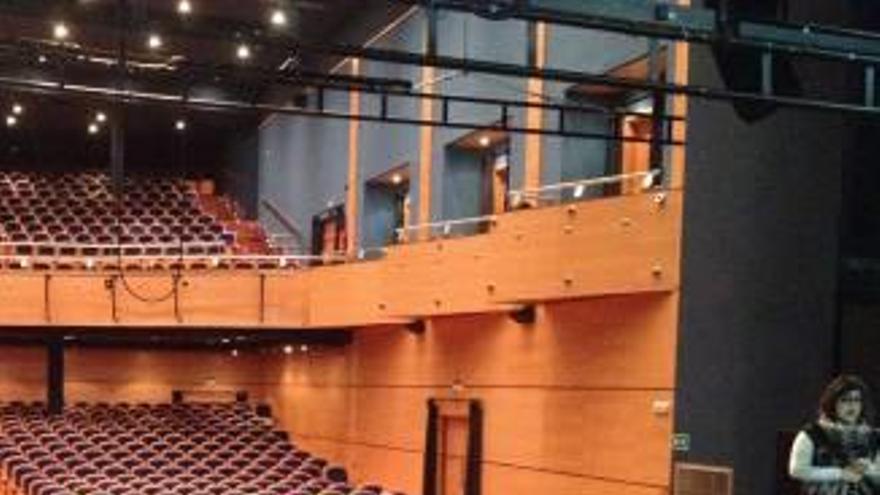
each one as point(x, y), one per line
point(417, 327)
point(525, 315)
point(740, 66)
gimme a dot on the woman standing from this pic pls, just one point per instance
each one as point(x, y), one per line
point(838, 453)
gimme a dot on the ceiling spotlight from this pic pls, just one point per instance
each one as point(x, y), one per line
point(184, 7)
point(17, 109)
point(396, 179)
point(243, 52)
point(279, 18)
point(11, 121)
point(101, 117)
point(154, 42)
point(234, 353)
point(288, 349)
point(180, 125)
point(94, 129)
point(60, 31)
point(304, 348)
point(42, 59)
point(485, 141)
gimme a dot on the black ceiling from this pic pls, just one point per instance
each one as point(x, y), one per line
point(197, 57)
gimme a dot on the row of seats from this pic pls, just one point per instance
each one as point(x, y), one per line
point(167, 449)
point(77, 214)
point(145, 264)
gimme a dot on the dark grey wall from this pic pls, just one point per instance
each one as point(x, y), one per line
point(759, 277)
point(241, 175)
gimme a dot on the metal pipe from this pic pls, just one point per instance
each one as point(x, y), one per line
point(111, 95)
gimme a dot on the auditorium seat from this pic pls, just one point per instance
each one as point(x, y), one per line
point(77, 213)
point(223, 449)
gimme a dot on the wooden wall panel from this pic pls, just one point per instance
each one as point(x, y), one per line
point(151, 302)
point(22, 299)
point(345, 295)
point(589, 344)
point(80, 300)
point(510, 479)
point(215, 299)
point(287, 300)
point(609, 246)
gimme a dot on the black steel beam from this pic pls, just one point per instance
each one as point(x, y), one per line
point(55, 375)
point(194, 71)
point(112, 95)
point(644, 18)
point(170, 337)
point(651, 19)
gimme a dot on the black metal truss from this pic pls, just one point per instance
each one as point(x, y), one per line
point(116, 96)
point(183, 75)
point(641, 18)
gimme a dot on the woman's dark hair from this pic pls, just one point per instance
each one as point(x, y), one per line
point(841, 385)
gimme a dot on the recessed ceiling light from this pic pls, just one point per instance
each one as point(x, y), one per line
point(279, 18)
point(11, 121)
point(154, 42)
point(60, 31)
point(94, 128)
point(485, 141)
point(180, 125)
point(184, 7)
point(234, 353)
point(101, 117)
point(243, 52)
point(17, 109)
point(288, 349)
point(42, 59)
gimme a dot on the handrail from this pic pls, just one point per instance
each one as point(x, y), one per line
point(446, 224)
point(288, 223)
point(647, 179)
point(214, 260)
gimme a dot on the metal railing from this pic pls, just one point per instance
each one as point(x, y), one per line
point(446, 228)
point(553, 192)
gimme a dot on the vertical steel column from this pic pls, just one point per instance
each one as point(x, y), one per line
point(55, 375)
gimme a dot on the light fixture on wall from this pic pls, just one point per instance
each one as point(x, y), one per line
point(94, 128)
point(60, 31)
point(100, 117)
point(154, 41)
point(417, 327)
point(11, 121)
point(525, 315)
point(17, 109)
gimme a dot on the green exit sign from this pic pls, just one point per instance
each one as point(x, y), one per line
point(681, 442)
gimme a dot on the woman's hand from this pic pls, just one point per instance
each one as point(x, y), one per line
point(854, 472)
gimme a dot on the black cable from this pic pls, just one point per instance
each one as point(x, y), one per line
point(120, 124)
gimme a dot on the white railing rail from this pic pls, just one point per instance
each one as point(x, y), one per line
point(646, 181)
point(445, 225)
